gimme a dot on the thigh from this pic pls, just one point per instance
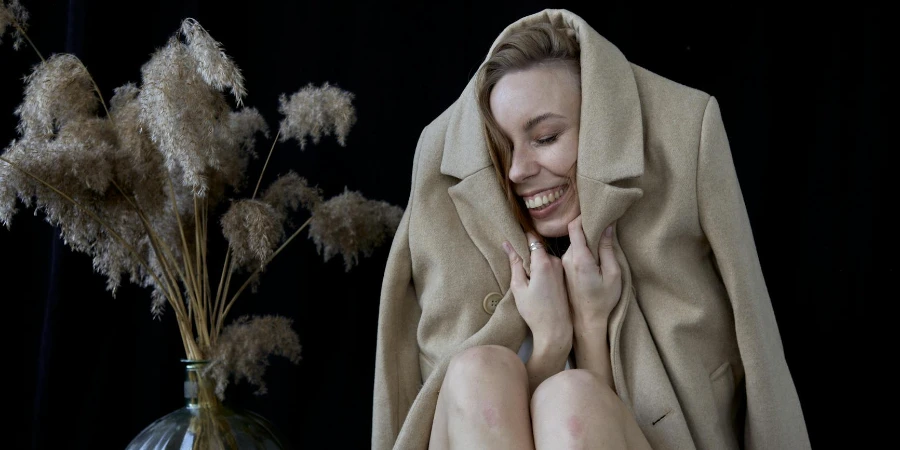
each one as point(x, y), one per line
point(483, 402)
point(574, 409)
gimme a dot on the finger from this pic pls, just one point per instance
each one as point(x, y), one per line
point(516, 267)
point(608, 263)
point(576, 234)
point(533, 238)
point(538, 255)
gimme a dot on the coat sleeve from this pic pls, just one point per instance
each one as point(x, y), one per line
point(773, 418)
point(397, 373)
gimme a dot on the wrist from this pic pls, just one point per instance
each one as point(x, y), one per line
point(595, 331)
point(552, 347)
point(593, 323)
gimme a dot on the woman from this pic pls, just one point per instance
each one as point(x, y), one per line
point(659, 297)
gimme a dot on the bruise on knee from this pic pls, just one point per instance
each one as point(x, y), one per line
point(491, 416)
point(575, 426)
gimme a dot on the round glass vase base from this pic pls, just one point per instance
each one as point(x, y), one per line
point(191, 428)
point(204, 423)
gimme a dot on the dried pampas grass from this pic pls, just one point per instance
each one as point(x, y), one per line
point(133, 183)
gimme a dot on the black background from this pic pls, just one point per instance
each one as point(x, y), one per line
point(802, 99)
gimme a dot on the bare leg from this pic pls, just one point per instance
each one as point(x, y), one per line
point(483, 402)
point(574, 409)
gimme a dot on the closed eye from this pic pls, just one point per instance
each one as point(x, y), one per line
point(547, 140)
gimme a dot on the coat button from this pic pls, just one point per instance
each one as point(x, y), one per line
point(491, 301)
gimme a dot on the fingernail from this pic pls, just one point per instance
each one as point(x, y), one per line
point(608, 231)
point(506, 246)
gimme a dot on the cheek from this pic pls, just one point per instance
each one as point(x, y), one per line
point(566, 154)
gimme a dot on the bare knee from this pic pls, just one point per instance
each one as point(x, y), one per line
point(575, 407)
point(483, 401)
point(483, 373)
point(483, 363)
point(574, 388)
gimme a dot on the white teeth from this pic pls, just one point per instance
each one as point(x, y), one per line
point(540, 201)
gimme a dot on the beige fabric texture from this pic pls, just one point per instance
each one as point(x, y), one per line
point(694, 345)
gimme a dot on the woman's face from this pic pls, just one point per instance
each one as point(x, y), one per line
point(539, 110)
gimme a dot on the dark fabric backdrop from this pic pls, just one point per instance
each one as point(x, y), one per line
point(801, 95)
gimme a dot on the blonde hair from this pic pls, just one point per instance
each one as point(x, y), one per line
point(530, 46)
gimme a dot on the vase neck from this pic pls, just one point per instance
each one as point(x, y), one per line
point(199, 389)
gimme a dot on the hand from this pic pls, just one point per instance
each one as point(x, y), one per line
point(594, 290)
point(541, 299)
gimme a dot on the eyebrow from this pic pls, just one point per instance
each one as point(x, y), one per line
point(538, 119)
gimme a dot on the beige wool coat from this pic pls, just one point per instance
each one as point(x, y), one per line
point(695, 350)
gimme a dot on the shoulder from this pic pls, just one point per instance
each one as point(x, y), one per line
point(673, 113)
point(662, 95)
point(430, 147)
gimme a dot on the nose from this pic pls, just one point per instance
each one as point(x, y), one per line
point(523, 166)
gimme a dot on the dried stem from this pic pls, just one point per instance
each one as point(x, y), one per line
point(189, 269)
point(257, 271)
point(222, 312)
point(25, 35)
point(205, 275)
point(217, 306)
point(198, 299)
point(274, 141)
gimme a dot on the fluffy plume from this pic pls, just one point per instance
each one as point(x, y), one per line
point(7, 195)
point(242, 128)
point(212, 63)
point(316, 112)
point(191, 123)
point(253, 229)
point(181, 113)
point(57, 92)
point(243, 350)
point(349, 224)
point(78, 161)
point(13, 14)
point(244, 125)
point(140, 167)
point(290, 191)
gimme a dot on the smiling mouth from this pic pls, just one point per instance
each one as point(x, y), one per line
point(545, 199)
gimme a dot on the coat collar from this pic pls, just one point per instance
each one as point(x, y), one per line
point(610, 149)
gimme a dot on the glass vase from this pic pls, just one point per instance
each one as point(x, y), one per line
point(205, 423)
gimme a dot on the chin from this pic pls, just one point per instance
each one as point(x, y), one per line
point(558, 224)
point(552, 228)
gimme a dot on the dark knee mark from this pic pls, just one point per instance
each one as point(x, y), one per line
point(575, 426)
point(661, 418)
point(491, 417)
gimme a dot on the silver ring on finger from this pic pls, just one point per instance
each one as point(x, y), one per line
point(535, 245)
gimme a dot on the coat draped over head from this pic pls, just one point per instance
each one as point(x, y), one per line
point(695, 349)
